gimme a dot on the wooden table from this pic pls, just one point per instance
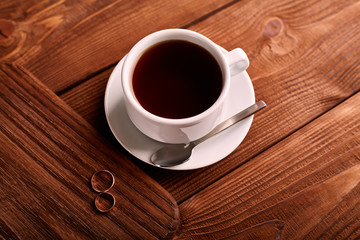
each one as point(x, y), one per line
point(296, 175)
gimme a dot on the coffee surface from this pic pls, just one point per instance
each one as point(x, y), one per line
point(177, 79)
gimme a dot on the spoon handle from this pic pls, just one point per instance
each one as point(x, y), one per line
point(234, 119)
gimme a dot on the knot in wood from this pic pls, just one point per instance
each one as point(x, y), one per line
point(6, 29)
point(273, 27)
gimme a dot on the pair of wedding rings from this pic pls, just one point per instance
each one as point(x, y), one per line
point(104, 195)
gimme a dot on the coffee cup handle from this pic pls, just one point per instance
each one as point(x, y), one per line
point(237, 60)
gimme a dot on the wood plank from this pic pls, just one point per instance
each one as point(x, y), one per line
point(303, 62)
point(305, 187)
point(48, 154)
point(63, 42)
point(87, 99)
point(26, 24)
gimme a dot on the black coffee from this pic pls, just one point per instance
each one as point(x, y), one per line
point(177, 79)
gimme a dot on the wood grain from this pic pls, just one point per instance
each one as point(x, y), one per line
point(305, 187)
point(296, 175)
point(87, 99)
point(319, 73)
point(48, 154)
point(65, 42)
point(303, 62)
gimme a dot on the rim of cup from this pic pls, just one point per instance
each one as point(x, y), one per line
point(173, 34)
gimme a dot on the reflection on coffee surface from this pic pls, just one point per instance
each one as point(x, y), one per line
point(177, 79)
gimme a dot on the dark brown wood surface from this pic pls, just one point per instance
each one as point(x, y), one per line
point(308, 183)
point(48, 155)
point(60, 39)
point(296, 175)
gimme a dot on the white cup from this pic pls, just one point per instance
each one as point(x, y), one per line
point(185, 129)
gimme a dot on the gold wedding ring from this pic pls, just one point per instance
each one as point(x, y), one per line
point(104, 202)
point(101, 174)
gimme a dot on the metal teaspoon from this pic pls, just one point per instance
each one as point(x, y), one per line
point(175, 154)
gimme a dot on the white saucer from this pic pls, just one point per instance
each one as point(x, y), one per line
point(209, 152)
